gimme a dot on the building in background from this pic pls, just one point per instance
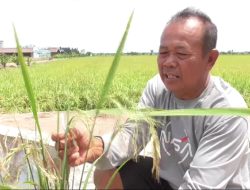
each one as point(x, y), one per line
point(27, 52)
point(32, 52)
point(41, 53)
point(54, 51)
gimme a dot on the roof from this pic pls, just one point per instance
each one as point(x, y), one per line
point(54, 49)
point(14, 50)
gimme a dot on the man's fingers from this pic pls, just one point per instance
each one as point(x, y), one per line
point(71, 148)
point(76, 159)
point(73, 157)
point(61, 153)
point(61, 140)
point(74, 140)
point(73, 134)
point(57, 136)
point(60, 145)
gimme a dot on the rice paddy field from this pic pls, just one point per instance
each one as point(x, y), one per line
point(76, 83)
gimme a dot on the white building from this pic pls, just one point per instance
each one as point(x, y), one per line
point(1, 43)
point(41, 53)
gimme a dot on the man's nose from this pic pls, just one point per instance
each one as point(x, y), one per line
point(170, 61)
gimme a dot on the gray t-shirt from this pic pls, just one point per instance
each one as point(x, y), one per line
point(197, 152)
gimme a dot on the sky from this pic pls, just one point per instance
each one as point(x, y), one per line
point(98, 25)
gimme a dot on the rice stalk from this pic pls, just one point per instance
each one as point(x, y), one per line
point(28, 86)
point(89, 173)
point(156, 153)
point(6, 187)
point(114, 174)
point(114, 66)
point(108, 82)
point(116, 130)
point(27, 159)
point(201, 112)
point(13, 150)
point(64, 183)
point(9, 162)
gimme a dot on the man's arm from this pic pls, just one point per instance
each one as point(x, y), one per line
point(132, 137)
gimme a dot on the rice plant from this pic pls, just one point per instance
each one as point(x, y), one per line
point(52, 177)
point(43, 176)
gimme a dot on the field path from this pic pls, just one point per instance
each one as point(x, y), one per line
point(48, 122)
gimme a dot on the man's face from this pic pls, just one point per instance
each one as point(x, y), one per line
point(183, 67)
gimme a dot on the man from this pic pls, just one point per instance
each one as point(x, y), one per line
point(208, 152)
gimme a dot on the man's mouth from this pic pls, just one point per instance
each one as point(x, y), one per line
point(172, 76)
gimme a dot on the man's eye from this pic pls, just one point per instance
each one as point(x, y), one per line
point(163, 52)
point(182, 55)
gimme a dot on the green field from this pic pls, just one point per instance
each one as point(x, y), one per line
point(76, 82)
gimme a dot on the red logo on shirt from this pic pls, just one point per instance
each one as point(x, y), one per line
point(184, 139)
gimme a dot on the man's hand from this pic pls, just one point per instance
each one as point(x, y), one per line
point(79, 150)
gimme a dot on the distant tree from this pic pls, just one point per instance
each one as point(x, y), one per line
point(4, 59)
point(68, 52)
point(14, 59)
point(29, 59)
point(75, 51)
point(132, 53)
point(82, 51)
point(88, 53)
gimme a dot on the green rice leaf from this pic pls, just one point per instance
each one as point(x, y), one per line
point(42, 181)
point(86, 180)
point(114, 174)
point(201, 112)
point(114, 65)
point(65, 168)
point(178, 112)
point(108, 81)
point(27, 80)
point(28, 86)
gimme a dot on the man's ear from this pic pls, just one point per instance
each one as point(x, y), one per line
point(212, 57)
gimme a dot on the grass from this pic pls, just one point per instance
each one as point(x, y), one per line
point(75, 83)
point(235, 69)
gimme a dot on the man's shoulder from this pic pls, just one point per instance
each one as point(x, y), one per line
point(155, 79)
point(156, 86)
point(156, 82)
point(226, 94)
point(155, 94)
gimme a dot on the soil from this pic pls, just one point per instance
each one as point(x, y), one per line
point(48, 122)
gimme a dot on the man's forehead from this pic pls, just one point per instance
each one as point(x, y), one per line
point(191, 28)
point(177, 46)
point(190, 23)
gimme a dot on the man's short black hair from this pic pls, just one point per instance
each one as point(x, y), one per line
point(210, 34)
